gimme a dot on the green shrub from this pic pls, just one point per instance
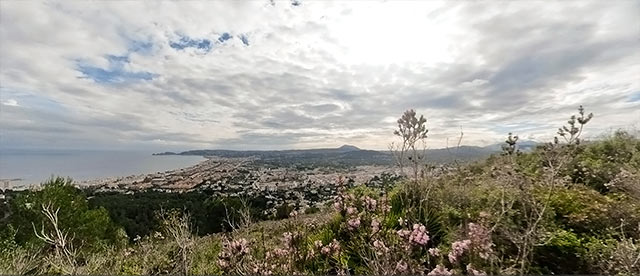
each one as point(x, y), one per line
point(91, 228)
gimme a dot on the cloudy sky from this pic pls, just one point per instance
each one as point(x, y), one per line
point(275, 75)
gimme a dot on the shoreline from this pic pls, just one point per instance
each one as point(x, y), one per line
point(22, 183)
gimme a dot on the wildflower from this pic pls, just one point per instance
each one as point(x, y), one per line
point(351, 210)
point(440, 271)
point(401, 221)
point(434, 252)
point(293, 214)
point(223, 263)
point(333, 248)
point(370, 203)
point(353, 223)
point(401, 266)
point(403, 233)
point(288, 238)
point(317, 243)
point(240, 246)
point(311, 253)
point(481, 239)
point(279, 252)
point(457, 249)
point(380, 247)
point(375, 225)
point(473, 272)
point(384, 206)
point(419, 235)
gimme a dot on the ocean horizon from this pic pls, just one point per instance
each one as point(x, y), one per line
point(34, 166)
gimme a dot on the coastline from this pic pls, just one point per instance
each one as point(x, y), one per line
point(21, 170)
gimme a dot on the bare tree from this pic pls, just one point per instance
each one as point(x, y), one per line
point(243, 219)
point(411, 131)
point(571, 133)
point(178, 226)
point(64, 252)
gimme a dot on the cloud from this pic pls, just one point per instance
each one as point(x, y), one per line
point(169, 75)
point(10, 102)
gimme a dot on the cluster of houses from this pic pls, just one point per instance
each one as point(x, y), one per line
point(247, 177)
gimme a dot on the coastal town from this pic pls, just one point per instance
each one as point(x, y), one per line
point(249, 177)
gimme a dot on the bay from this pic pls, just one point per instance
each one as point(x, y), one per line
point(36, 166)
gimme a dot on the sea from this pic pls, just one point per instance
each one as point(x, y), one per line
point(31, 167)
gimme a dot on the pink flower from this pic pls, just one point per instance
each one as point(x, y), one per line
point(473, 272)
point(375, 225)
point(440, 271)
point(370, 203)
point(457, 249)
point(279, 252)
point(353, 223)
point(480, 238)
point(419, 235)
point(223, 263)
point(287, 239)
point(403, 233)
point(351, 210)
point(385, 207)
point(335, 245)
point(333, 248)
point(240, 246)
point(338, 204)
point(434, 252)
point(380, 246)
point(401, 266)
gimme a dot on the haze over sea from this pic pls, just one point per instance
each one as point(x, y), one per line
point(35, 166)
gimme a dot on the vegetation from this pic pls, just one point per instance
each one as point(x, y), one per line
point(569, 206)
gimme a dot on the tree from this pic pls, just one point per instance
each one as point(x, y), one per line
point(411, 131)
point(91, 227)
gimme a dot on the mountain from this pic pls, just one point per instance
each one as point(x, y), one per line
point(345, 148)
point(346, 155)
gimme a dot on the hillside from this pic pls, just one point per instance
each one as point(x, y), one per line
point(579, 217)
point(345, 155)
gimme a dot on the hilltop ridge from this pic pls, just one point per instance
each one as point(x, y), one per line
point(348, 155)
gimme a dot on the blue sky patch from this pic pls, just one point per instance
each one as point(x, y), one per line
point(140, 46)
point(115, 73)
point(635, 97)
point(244, 39)
point(187, 42)
point(224, 37)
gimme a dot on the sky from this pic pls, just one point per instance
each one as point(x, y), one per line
point(163, 75)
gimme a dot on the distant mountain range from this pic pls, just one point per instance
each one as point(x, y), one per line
point(352, 155)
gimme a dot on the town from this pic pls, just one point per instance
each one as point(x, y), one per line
point(303, 187)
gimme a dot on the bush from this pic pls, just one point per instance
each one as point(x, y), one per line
point(92, 228)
